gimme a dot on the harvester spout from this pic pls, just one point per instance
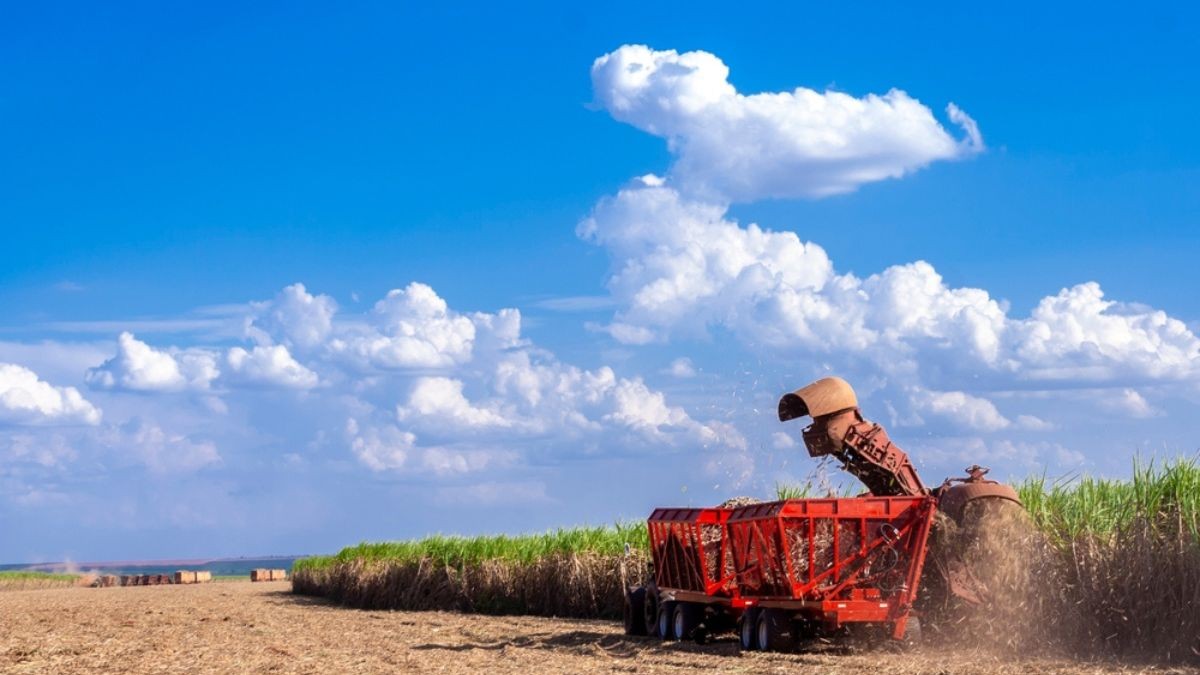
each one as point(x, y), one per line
point(840, 430)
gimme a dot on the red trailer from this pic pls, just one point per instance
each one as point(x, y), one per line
point(782, 570)
point(806, 566)
point(694, 591)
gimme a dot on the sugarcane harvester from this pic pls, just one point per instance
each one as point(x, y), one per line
point(779, 572)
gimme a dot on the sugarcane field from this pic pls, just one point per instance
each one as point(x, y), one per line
point(529, 338)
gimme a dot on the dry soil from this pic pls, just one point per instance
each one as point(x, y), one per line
point(263, 628)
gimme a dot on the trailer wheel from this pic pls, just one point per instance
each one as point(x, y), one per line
point(774, 629)
point(748, 630)
point(635, 610)
point(666, 623)
point(686, 619)
point(912, 633)
point(650, 612)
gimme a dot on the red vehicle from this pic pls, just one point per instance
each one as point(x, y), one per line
point(781, 571)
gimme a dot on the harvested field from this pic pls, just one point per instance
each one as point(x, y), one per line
point(245, 627)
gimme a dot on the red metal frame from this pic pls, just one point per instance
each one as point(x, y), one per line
point(835, 560)
point(690, 549)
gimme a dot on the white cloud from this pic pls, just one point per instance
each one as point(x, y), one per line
point(636, 406)
point(380, 448)
point(442, 398)
point(387, 447)
point(959, 410)
point(1128, 403)
point(782, 441)
point(49, 452)
point(1078, 333)
point(26, 399)
point(543, 395)
point(683, 267)
point(682, 367)
point(268, 366)
point(1006, 456)
point(802, 143)
point(1033, 423)
point(520, 395)
point(163, 451)
point(412, 328)
point(445, 462)
point(139, 367)
point(294, 317)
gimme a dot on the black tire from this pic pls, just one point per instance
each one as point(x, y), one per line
point(635, 610)
point(686, 620)
point(650, 612)
point(912, 633)
point(748, 630)
point(774, 631)
point(666, 623)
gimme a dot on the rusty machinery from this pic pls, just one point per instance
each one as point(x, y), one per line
point(788, 569)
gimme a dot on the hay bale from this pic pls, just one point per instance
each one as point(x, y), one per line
point(203, 576)
point(185, 577)
point(278, 575)
point(109, 580)
point(260, 575)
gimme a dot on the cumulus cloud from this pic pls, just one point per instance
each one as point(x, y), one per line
point(490, 383)
point(27, 399)
point(271, 366)
point(801, 143)
point(1079, 333)
point(294, 317)
point(380, 448)
point(519, 393)
point(959, 409)
point(139, 367)
point(530, 394)
point(411, 328)
point(682, 267)
point(442, 398)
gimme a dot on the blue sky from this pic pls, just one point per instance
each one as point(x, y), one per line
point(172, 171)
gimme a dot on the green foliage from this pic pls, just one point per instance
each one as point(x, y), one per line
point(1164, 497)
point(785, 491)
point(28, 575)
point(808, 491)
point(455, 551)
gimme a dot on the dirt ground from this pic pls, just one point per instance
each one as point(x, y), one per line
point(263, 628)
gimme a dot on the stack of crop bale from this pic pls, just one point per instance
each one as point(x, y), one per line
point(268, 575)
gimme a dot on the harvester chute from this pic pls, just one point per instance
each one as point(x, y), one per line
point(786, 570)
